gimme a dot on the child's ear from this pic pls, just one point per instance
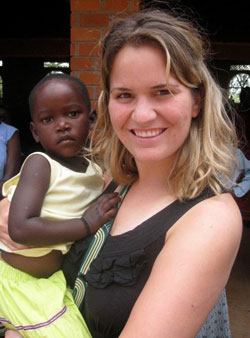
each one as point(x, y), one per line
point(92, 119)
point(34, 132)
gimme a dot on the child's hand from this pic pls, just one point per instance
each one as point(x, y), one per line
point(101, 211)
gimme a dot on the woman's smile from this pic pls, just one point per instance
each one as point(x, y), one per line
point(148, 133)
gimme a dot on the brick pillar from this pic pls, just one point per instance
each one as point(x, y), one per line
point(89, 19)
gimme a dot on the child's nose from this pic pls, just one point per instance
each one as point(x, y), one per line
point(62, 124)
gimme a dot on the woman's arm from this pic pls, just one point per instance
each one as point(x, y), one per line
point(25, 224)
point(13, 162)
point(190, 272)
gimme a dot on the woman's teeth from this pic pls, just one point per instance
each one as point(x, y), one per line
point(148, 133)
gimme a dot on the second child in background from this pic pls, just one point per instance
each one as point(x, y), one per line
point(10, 149)
point(50, 208)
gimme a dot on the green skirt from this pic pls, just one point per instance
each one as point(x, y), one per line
point(39, 307)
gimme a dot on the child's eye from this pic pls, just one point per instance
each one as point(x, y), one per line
point(74, 114)
point(46, 120)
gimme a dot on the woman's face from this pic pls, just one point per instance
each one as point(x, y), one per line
point(150, 121)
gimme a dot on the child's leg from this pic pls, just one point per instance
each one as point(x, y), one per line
point(39, 307)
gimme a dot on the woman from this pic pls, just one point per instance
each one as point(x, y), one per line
point(163, 134)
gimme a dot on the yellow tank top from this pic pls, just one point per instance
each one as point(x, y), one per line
point(68, 196)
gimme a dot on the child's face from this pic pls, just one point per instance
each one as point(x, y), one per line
point(60, 118)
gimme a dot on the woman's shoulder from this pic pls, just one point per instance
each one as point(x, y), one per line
point(221, 209)
point(213, 220)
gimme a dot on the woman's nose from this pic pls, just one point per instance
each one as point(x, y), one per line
point(143, 111)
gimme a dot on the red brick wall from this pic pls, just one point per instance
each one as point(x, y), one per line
point(89, 19)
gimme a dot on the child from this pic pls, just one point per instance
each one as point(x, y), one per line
point(10, 149)
point(48, 212)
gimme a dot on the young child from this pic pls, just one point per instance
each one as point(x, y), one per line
point(10, 149)
point(49, 201)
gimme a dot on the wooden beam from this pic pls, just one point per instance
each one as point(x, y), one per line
point(231, 51)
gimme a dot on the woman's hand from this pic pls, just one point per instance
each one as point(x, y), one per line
point(4, 235)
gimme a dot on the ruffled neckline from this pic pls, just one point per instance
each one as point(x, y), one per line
point(123, 270)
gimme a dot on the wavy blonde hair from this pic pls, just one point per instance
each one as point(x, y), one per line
point(206, 158)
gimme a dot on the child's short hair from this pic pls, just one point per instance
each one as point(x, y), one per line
point(64, 77)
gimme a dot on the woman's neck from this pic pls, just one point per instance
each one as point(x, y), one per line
point(155, 174)
point(150, 193)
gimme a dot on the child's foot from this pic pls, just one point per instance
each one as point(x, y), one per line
point(12, 334)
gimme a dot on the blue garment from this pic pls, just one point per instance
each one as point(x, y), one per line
point(6, 133)
point(243, 169)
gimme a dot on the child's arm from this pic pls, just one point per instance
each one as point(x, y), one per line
point(25, 225)
point(4, 234)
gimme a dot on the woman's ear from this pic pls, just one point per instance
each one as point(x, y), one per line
point(198, 101)
point(34, 132)
point(92, 119)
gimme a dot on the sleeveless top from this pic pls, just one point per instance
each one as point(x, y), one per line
point(117, 276)
point(68, 196)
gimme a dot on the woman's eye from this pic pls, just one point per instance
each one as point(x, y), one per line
point(124, 96)
point(73, 114)
point(163, 92)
